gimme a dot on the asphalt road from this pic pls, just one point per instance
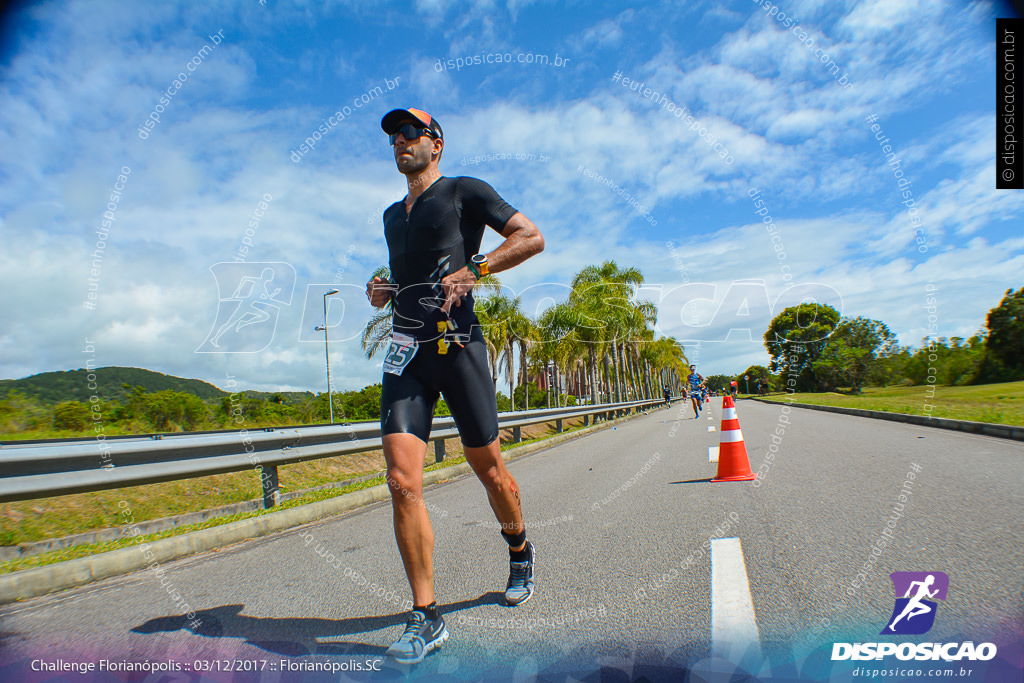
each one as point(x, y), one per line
point(621, 520)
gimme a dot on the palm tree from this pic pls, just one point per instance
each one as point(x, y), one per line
point(521, 332)
point(609, 293)
point(494, 311)
point(644, 356)
point(378, 329)
point(570, 323)
point(567, 351)
point(606, 331)
point(526, 335)
point(668, 359)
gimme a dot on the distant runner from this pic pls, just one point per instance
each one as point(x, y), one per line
point(696, 383)
point(433, 239)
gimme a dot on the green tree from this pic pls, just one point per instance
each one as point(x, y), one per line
point(796, 338)
point(891, 367)
point(754, 372)
point(965, 359)
point(851, 352)
point(165, 410)
point(605, 299)
point(946, 361)
point(569, 323)
point(170, 410)
point(718, 382)
point(71, 415)
point(538, 397)
point(20, 412)
point(356, 406)
point(494, 310)
point(669, 364)
point(524, 335)
point(1005, 325)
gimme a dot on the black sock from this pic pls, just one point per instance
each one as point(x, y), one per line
point(430, 610)
point(519, 555)
point(514, 540)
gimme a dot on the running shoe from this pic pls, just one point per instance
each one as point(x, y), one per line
point(520, 580)
point(421, 636)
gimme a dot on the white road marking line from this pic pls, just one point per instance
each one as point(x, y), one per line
point(712, 453)
point(711, 428)
point(733, 624)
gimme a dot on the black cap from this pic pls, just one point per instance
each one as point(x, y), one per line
point(394, 118)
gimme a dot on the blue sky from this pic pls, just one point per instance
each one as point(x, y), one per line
point(605, 171)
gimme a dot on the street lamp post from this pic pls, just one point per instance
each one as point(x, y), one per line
point(327, 354)
point(552, 396)
point(547, 383)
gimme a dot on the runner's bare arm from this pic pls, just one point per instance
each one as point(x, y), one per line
point(522, 240)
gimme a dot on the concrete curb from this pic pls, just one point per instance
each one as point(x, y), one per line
point(983, 428)
point(38, 581)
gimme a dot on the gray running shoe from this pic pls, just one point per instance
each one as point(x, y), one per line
point(421, 636)
point(520, 580)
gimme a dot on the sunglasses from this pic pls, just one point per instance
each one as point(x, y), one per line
point(410, 132)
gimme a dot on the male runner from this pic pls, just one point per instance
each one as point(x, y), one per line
point(433, 239)
point(696, 395)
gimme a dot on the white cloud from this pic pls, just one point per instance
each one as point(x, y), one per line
point(605, 33)
point(869, 18)
point(71, 101)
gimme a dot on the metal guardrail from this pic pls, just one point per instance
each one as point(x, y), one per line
point(61, 468)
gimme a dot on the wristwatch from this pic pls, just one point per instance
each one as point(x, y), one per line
point(480, 261)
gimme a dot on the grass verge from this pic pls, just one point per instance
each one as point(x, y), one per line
point(127, 541)
point(995, 403)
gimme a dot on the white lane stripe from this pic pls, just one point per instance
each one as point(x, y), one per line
point(711, 428)
point(712, 453)
point(733, 625)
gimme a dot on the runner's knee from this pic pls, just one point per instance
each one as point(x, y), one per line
point(403, 483)
point(495, 479)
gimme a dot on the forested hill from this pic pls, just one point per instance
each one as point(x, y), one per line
point(73, 385)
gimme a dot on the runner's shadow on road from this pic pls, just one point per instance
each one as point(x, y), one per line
point(693, 481)
point(296, 636)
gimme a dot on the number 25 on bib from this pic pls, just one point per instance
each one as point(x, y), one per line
point(400, 353)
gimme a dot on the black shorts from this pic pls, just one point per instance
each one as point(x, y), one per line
point(462, 376)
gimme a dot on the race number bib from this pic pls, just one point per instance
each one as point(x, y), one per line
point(400, 353)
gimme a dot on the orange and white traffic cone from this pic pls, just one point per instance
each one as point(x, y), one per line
point(733, 464)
